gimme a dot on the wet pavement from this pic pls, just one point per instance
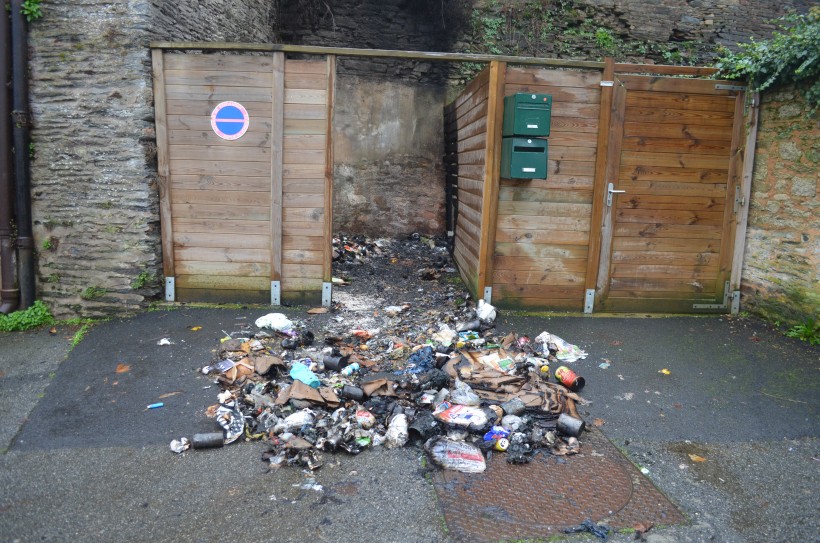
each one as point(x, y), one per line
point(719, 413)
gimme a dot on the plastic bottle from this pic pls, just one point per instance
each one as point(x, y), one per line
point(351, 369)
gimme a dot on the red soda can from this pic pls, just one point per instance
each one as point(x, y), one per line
point(567, 377)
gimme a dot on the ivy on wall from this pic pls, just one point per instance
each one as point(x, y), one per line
point(790, 56)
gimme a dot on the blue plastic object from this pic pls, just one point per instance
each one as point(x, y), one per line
point(301, 372)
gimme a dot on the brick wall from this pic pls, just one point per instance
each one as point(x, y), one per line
point(780, 280)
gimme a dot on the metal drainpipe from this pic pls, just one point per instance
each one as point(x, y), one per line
point(21, 118)
point(9, 297)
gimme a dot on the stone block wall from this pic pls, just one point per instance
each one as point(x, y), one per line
point(94, 196)
point(780, 280)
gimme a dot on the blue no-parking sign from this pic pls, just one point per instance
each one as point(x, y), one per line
point(230, 120)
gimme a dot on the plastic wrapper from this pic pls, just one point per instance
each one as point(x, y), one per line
point(295, 421)
point(464, 395)
point(465, 416)
point(486, 312)
point(455, 455)
point(567, 352)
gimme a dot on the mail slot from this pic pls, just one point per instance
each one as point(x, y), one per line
point(523, 158)
point(527, 115)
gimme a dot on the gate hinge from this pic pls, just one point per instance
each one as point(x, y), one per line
point(740, 201)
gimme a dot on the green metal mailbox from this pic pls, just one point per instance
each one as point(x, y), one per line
point(523, 158)
point(527, 115)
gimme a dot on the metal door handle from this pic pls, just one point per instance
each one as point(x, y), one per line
point(610, 191)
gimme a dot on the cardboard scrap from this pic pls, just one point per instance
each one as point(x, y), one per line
point(300, 391)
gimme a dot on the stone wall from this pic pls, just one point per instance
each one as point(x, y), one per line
point(780, 280)
point(94, 196)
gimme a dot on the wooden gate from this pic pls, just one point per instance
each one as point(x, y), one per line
point(641, 207)
point(670, 185)
point(245, 219)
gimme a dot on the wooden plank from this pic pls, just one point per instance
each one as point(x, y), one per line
point(665, 216)
point(690, 245)
point(218, 211)
point(303, 171)
point(541, 251)
point(675, 175)
point(733, 188)
point(662, 69)
point(305, 243)
point(327, 272)
point(232, 296)
point(613, 161)
point(220, 152)
point(206, 107)
point(557, 182)
point(297, 80)
point(538, 304)
point(666, 258)
point(742, 216)
point(547, 294)
point(676, 84)
point(698, 106)
point(686, 131)
point(490, 205)
point(655, 230)
point(207, 137)
point(227, 226)
point(544, 209)
point(537, 278)
point(222, 254)
point(304, 271)
point(599, 189)
point(302, 257)
point(293, 66)
point(305, 127)
point(308, 141)
point(553, 237)
point(535, 194)
point(570, 167)
point(641, 284)
point(675, 160)
point(220, 62)
point(218, 78)
point(555, 78)
point(220, 182)
point(304, 156)
point(220, 94)
point(543, 265)
point(277, 146)
point(306, 111)
point(203, 124)
point(662, 188)
point(302, 284)
point(654, 271)
point(562, 153)
point(236, 269)
point(220, 282)
point(221, 197)
point(163, 170)
point(207, 167)
point(534, 222)
point(297, 228)
point(560, 125)
point(675, 145)
point(304, 96)
point(219, 239)
point(314, 215)
point(304, 187)
point(655, 201)
point(560, 95)
point(680, 116)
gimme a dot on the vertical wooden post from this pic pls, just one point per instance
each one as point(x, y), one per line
point(742, 216)
point(733, 183)
point(599, 186)
point(492, 175)
point(277, 136)
point(613, 165)
point(163, 166)
point(327, 273)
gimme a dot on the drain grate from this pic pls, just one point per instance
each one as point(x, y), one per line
point(550, 493)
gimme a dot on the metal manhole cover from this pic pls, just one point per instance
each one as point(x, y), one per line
point(541, 498)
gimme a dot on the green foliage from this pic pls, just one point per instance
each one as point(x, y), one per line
point(31, 9)
point(36, 315)
point(48, 244)
point(92, 293)
point(808, 331)
point(142, 279)
point(790, 56)
point(79, 335)
point(53, 278)
point(604, 39)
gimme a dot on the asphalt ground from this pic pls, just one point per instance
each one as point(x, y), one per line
point(84, 460)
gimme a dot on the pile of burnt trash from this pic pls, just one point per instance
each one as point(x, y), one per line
point(453, 387)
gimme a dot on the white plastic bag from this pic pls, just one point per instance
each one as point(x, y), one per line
point(485, 311)
point(455, 455)
point(567, 352)
point(397, 435)
point(274, 321)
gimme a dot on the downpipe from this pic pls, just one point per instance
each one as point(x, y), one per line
point(21, 117)
point(9, 295)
